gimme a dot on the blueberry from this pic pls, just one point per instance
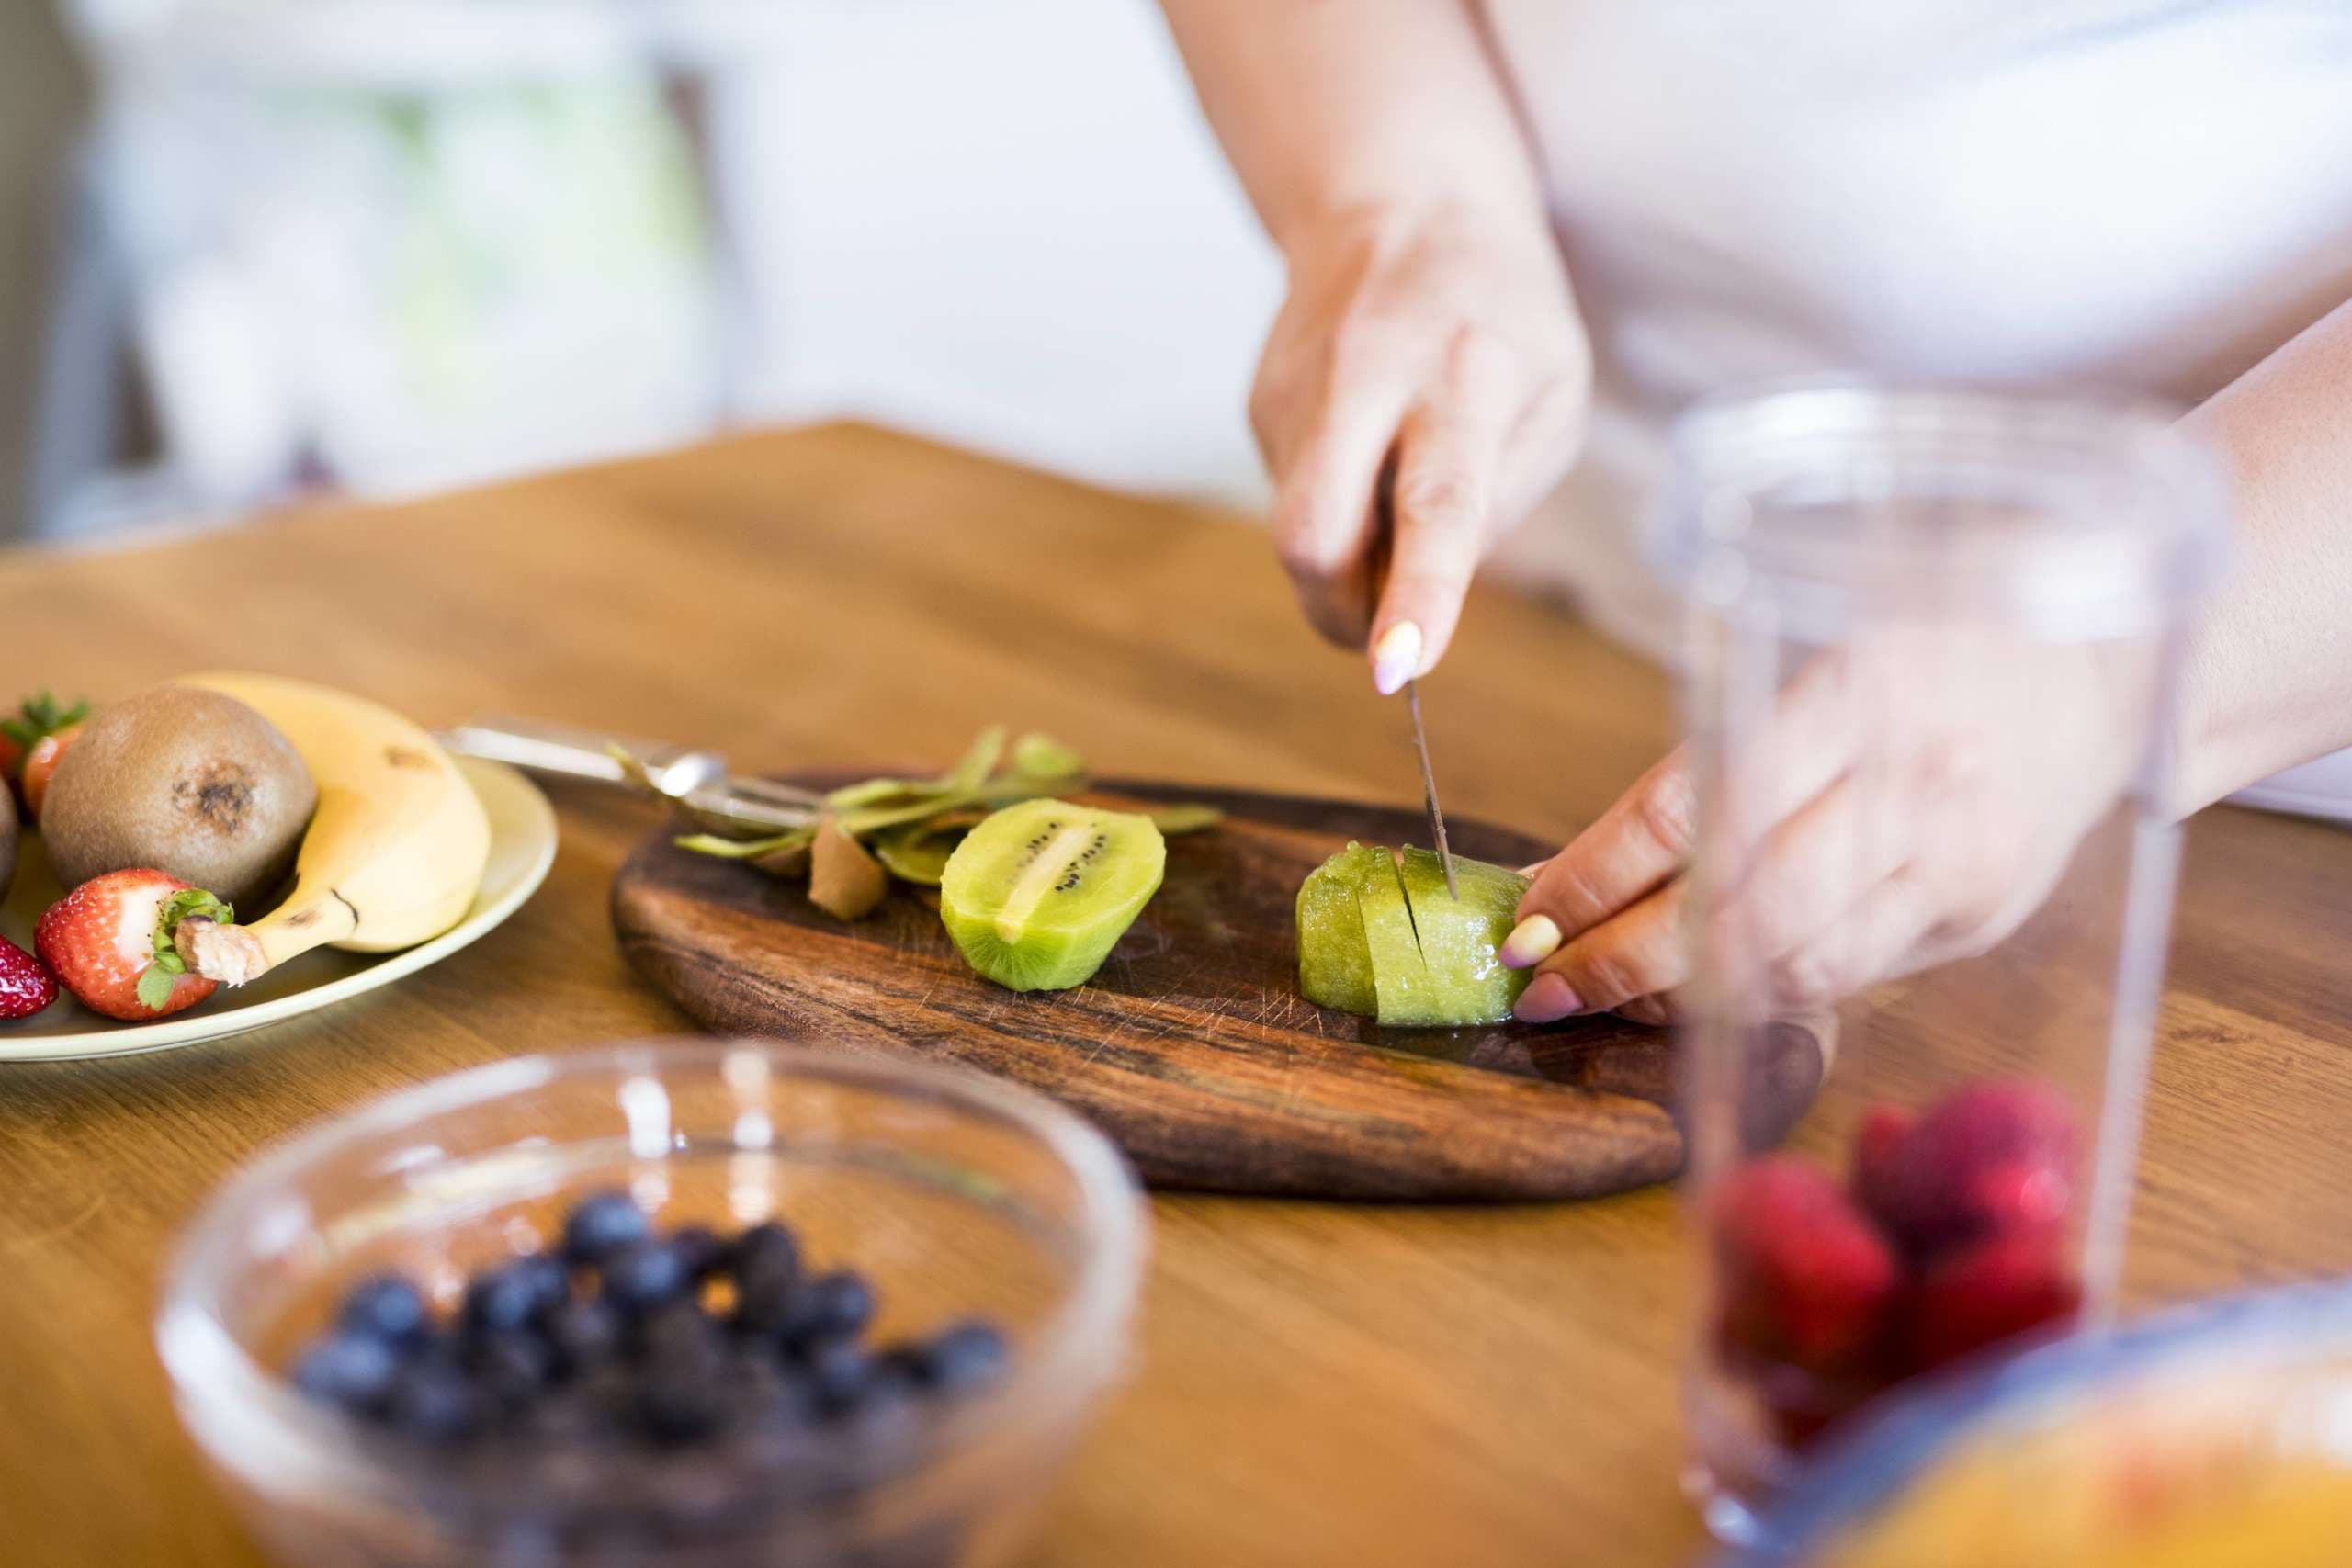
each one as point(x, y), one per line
point(505, 1297)
point(583, 1334)
point(831, 1307)
point(768, 1272)
point(765, 1248)
point(838, 1375)
point(510, 1367)
point(434, 1403)
point(644, 1276)
point(764, 1302)
point(764, 1393)
point(387, 1307)
point(546, 1278)
point(700, 1252)
point(600, 1226)
point(678, 1335)
point(568, 1419)
point(356, 1372)
point(965, 1356)
point(679, 1409)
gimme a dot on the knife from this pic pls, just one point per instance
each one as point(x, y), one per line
point(1428, 789)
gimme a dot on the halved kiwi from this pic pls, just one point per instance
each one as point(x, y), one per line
point(1036, 896)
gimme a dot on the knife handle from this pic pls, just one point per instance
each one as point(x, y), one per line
point(567, 751)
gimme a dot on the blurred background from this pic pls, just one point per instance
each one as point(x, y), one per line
point(255, 250)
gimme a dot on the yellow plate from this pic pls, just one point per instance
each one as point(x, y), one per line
point(522, 847)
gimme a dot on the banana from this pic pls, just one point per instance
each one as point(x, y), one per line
point(393, 856)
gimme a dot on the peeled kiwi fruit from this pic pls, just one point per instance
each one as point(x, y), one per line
point(1036, 896)
point(8, 836)
point(188, 781)
point(1379, 934)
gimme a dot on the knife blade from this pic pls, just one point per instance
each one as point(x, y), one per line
point(1428, 789)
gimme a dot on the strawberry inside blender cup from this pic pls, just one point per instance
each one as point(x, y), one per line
point(1950, 1235)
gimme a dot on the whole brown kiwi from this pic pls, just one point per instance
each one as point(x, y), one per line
point(191, 783)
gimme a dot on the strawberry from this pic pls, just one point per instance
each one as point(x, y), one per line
point(1988, 1292)
point(110, 942)
point(1801, 1408)
point(41, 766)
point(1806, 1280)
point(35, 718)
point(25, 987)
point(1991, 1159)
point(1878, 1150)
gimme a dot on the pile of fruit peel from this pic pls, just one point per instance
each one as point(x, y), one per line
point(864, 834)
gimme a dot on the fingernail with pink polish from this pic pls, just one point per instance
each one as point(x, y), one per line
point(1547, 999)
point(1530, 941)
point(1397, 658)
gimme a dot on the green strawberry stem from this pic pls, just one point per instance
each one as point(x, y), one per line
point(37, 719)
point(156, 981)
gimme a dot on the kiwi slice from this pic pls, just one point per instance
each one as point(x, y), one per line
point(1334, 964)
point(1408, 953)
point(1036, 895)
point(1462, 938)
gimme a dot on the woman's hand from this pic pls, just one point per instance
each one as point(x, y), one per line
point(1436, 356)
point(1906, 803)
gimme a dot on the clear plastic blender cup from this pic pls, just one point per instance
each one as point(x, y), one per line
point(1933, 648)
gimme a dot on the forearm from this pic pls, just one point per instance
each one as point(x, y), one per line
point(2268, 681)
point(1334, 108)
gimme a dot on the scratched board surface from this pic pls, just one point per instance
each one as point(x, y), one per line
point(1191, 1047)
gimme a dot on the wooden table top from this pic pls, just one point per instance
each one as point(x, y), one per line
point(1317, 1383)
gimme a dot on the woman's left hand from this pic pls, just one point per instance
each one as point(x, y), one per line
point(1904, 803)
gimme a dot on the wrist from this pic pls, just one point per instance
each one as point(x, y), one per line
point(1392, 222)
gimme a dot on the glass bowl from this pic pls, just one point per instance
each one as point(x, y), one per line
point(956, 1196)
point(2218, 1434)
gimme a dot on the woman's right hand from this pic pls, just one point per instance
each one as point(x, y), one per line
point(1437, 354)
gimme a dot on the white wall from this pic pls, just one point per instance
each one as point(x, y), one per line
point(41, 98)
point(1002, 221)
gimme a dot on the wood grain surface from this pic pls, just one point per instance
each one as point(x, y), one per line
point(1192, 1046)
point(1318, 1382)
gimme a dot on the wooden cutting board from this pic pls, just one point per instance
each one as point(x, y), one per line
point(1191, 1047)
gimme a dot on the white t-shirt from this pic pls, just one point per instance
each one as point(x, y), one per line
point(2143, 194)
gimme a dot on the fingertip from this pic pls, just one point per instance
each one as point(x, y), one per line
point(1397, 658)
point(1547, 999)
point(1531, 941)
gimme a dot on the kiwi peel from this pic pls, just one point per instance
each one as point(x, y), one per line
point(844, 880)
point(1379, 935)
point(909, 828)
